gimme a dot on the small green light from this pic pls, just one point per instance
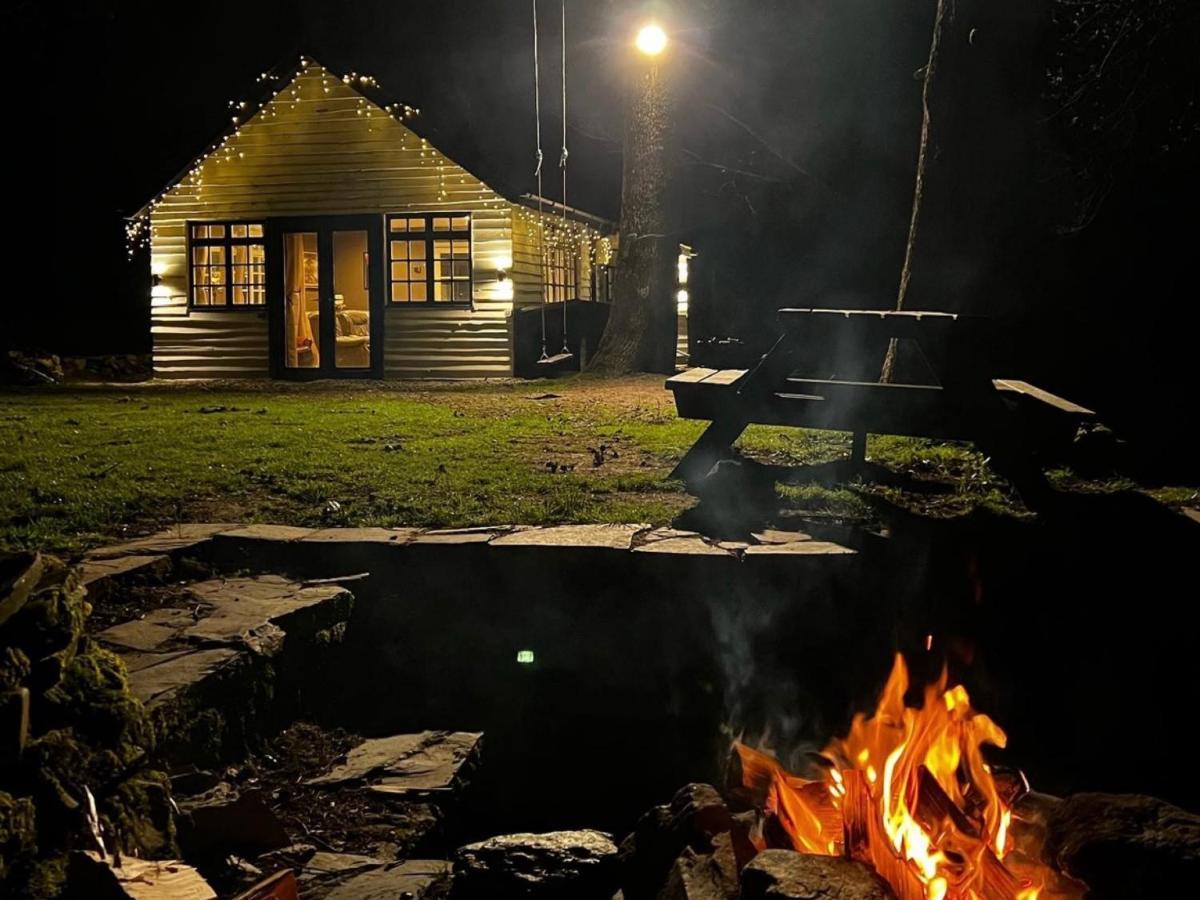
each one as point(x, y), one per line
point(525, 657)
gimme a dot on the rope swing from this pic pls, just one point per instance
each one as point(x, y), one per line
point(565, 354)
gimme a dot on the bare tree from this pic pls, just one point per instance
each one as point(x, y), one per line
point(945, 9)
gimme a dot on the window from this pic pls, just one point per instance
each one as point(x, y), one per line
point(602, 283)
point(561, 277)
point(228, 264)
point(429, 258)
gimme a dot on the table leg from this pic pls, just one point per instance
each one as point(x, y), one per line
point(707, 451)
point(858, 448)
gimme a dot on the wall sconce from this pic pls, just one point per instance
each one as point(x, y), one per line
point(502, 275)
point(155, 280)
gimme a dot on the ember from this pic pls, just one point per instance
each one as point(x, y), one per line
point(908, 792)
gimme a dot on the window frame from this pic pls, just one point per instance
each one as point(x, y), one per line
point(227, 242)
point(572, 275)
point(428, 236)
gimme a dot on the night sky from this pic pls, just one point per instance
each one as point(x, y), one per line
point(817, 96)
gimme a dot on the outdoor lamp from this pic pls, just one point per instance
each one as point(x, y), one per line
point(651, 39)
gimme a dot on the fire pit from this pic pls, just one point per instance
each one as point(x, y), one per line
point(909, 793)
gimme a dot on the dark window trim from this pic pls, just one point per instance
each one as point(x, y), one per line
point(228, 241)
point(429, 236)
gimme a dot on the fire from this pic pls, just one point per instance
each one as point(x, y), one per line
point(908, 792)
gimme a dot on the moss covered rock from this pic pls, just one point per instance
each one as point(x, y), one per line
point(89, 734)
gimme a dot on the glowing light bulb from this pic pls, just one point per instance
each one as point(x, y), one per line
point(651, 39)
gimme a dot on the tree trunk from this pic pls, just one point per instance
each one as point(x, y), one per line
point(640, 335)
point(944, 8)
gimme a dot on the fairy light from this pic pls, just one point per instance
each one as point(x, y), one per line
point(577, 240)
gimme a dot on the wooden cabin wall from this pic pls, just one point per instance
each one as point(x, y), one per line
point(319, 147)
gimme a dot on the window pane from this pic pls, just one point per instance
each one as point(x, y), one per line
point(462, 291)
point(417, 271)
point(461, 269)
point(258, 253)
point(399, 271)
point(216, 275)
point(216, 231)
point(199, 254)
point(461, 223)
point(462, 248)
point(237, 231)
point(200, 296)
point(239, 296)
point(216, 255)
point(399, 249)
point(398, 224)
point(240, 254)
point(218, 295)
point(441, 223)
point(441, 290)
point(400, 292)
point(256, 231)
point(416, 249)
point(441, 250)
point(199, 231)
point(200, 275)
point(417, 290)
point(416, 224)
point(239, 275)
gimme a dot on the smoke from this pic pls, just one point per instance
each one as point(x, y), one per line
point(769, 703)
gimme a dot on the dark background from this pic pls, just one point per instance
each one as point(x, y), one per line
point(1061, 201)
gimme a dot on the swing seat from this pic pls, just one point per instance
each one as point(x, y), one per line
point(555, 359)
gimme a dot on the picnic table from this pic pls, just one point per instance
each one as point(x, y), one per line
point(1013, 422)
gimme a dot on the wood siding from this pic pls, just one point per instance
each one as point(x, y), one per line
point(527, 262)
point(321, 148)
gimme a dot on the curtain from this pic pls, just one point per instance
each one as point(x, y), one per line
point(298, 330)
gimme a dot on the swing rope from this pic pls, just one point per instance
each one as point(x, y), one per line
point(537, 115)
point(562, 164)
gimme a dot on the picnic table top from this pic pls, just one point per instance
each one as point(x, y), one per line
point(901, 314)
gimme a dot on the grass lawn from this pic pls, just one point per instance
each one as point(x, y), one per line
point(81, 465)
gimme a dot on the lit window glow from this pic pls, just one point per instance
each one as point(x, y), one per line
point(525, 657)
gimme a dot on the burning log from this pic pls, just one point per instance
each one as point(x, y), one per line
point(909, 794)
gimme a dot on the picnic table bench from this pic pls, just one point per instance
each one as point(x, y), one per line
point(1013, 422)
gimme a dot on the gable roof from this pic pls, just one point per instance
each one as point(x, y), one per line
point(271, 83)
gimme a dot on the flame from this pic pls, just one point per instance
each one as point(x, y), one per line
point(907, 791)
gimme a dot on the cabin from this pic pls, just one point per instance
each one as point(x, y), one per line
point(323, 236)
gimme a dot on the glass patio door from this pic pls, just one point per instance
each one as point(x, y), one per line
point(330, 297)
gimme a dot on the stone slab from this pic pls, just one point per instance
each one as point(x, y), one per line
point(684, 546)
point(281, 533)
point(362, 535)
point(775, 536)
point(417, 764)
point(235, 612)
point(183, 537)
point(91, 875)
point(156, 682)
point(172, 649)
point(460, 537)
point(93, 570)
point(800, 548)
point(610, 537)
